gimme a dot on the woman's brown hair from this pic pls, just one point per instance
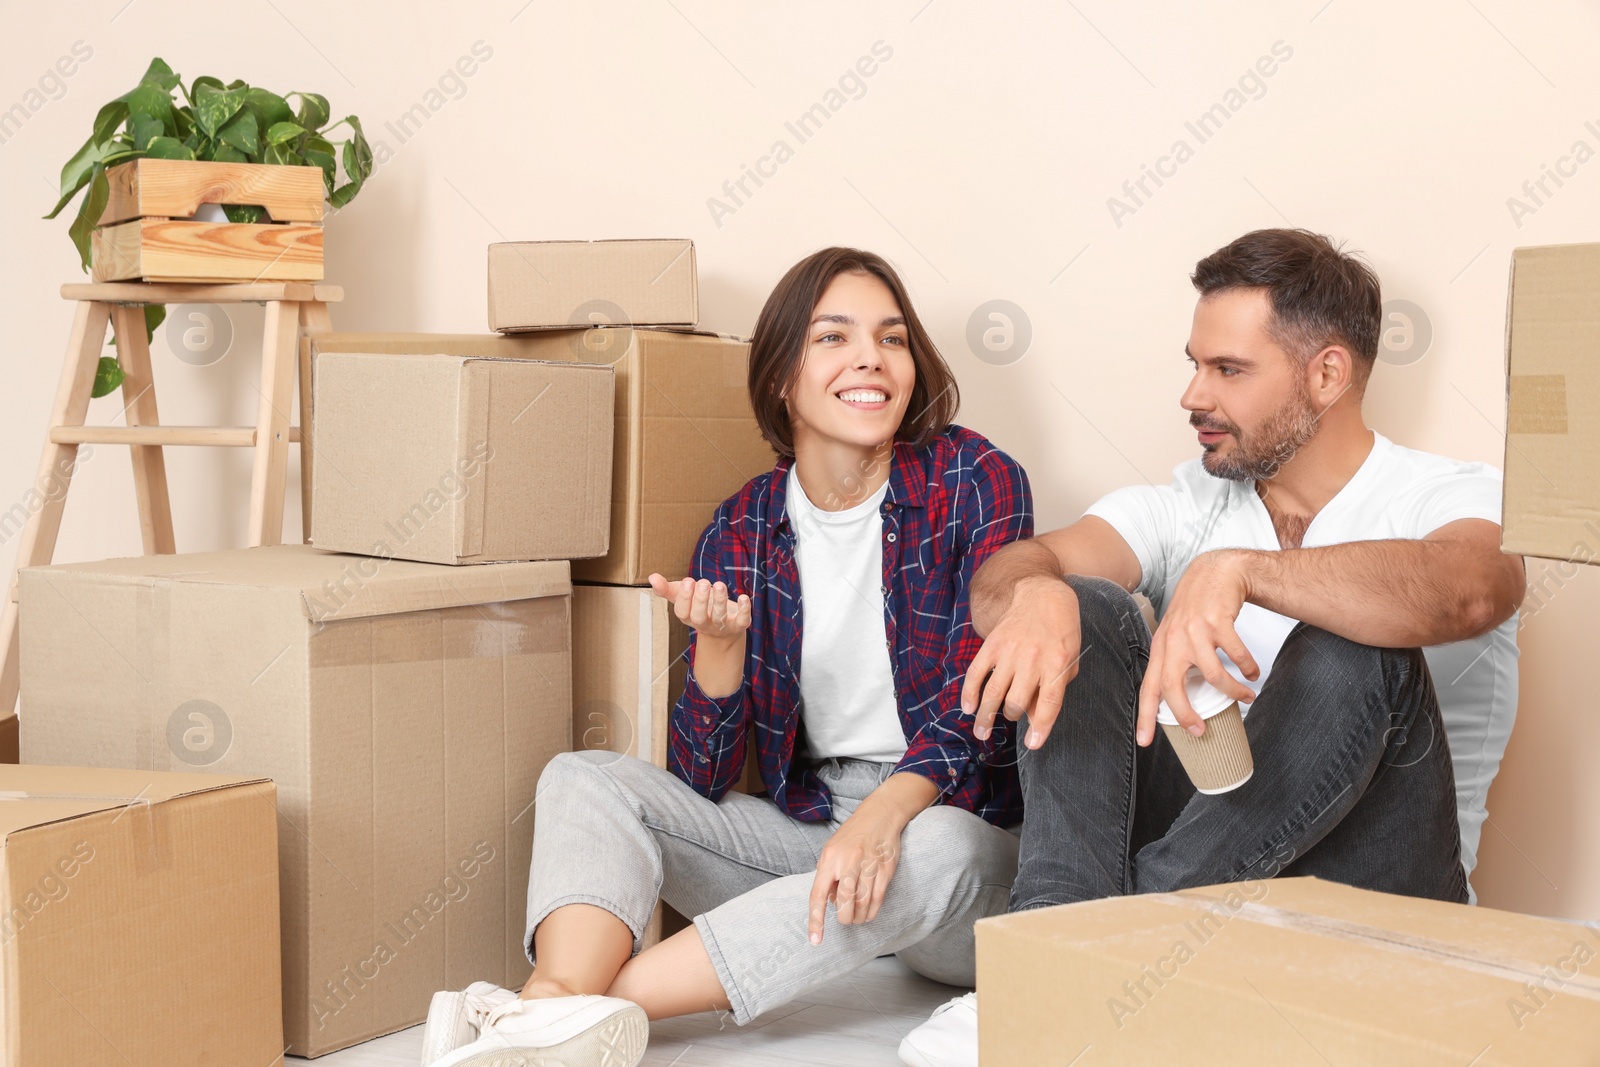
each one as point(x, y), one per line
point(779, 345)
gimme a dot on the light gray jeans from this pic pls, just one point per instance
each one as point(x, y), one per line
point(617, 832)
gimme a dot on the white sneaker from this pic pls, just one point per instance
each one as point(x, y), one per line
point(584, 1031)
point(948, 1039)
point(457, 1018)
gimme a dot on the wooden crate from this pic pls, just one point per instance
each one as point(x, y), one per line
point(144, 232)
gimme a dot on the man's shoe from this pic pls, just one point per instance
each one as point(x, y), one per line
point(570, 1031)
point(457, 1018)
point(948, 1039)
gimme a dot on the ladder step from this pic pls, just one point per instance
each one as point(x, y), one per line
point(225, 436)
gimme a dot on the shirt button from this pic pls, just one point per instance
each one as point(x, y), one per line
point(706, 720)
point(981, 757)
point(891, 537)
point(884, 590)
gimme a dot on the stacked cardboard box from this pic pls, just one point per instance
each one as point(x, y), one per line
point(406, 677)
point(140, 920)
point(1552, 495)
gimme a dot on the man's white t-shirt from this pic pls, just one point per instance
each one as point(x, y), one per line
point(846, 681)
point(1398, 493)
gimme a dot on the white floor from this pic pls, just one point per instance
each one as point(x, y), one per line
point(857, 1022)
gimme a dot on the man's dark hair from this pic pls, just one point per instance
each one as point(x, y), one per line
point(1320, 295)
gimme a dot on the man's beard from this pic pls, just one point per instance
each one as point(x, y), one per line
point(1260, 454)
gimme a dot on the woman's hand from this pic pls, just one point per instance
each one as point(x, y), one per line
point(704, 606)
point(859, 860)
point(719, 625)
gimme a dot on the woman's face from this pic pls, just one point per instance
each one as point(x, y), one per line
point(856, 374)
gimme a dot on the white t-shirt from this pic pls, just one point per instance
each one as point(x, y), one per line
point(1398, 493)
point(846, 681)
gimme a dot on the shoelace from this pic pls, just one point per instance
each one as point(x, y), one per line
point(480, 1007)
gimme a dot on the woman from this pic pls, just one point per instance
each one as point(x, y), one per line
point(830, 628)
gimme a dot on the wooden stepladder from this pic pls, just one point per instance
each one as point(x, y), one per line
point(293, 308)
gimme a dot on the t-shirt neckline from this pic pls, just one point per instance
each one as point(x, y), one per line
point(1376, 457)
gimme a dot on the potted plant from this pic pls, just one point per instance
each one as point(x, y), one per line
point(233, 123)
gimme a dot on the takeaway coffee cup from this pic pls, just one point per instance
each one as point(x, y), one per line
point(1219, 759)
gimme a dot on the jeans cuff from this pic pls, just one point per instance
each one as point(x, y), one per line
point(579, 898)
point(736, 1001)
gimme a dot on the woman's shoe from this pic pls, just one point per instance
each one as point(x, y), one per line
point(457, 1018)
point(587, 1030)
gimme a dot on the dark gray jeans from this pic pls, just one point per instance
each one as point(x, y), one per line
point(1352, 782)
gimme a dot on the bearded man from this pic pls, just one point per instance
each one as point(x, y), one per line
point(1357, 586)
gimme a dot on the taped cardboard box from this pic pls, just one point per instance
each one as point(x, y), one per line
point(140, 920)
point(684, 439)
point(537, 285)
point(1552, 487)
point(462, 459)
point(1287, 971)
point(405, 711)
point(627, 670)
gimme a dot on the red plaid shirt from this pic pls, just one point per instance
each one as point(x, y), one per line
point(950, 504)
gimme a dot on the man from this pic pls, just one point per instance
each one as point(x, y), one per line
point(1358, 585)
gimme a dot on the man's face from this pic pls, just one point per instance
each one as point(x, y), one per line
point(1249, 399)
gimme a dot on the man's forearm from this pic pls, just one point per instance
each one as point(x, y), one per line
point(1391, 594)
point(996, 581)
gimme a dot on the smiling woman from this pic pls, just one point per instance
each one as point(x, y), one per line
point(831, 632)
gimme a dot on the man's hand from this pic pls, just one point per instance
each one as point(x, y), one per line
point(860, 858)
point(1033, 653)
point(1198, 621)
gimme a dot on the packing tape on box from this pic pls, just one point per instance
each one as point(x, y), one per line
point(474, 423)
point(478, 631)
point(1421, 948)
point(1537, 403)
point(151, 851)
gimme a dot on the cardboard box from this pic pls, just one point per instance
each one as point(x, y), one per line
point(1286, 971)
point(685, 437)
point(537, 285)
point(1552, 488)
point(628, 669)
point(140, 921)
point(8, 738)
point(404, 709)
point(460, 459)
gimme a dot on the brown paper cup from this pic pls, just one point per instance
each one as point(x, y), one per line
point(1219, 759)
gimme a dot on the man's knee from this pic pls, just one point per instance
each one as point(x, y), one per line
point(1105, 607)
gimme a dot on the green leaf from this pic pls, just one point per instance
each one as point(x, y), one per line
point(314, 112)
point(329, 166)
point(154, 315)
point(242, 133)
point(226, 153)
point(89, 212)
point(282, 155)
point(362, 153)
point(244, 212)
point(168, 148)
point(270, 108)
point(238, 83)
point(284, 132)
point(213, 108)
point(204, 79)
point(75, 175)
point(158, 73)
point(182, 122)
point(145, 129)
point(154, 102)
point(107, 376)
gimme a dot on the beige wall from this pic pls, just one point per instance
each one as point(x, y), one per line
point(979, 157)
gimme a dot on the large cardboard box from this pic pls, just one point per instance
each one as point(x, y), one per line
point(140, 919)
point(535, 285)
point(405, 711)
point(685, 437)
point(461, 459)
point(1287, 971)
point(1552, 489)
point(628, 669)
